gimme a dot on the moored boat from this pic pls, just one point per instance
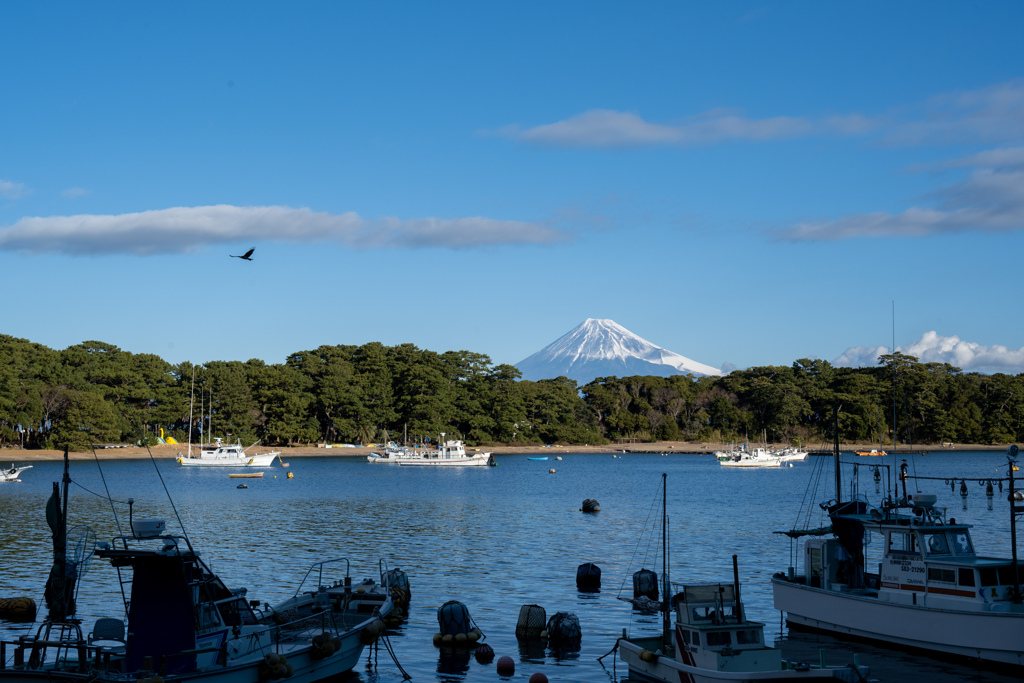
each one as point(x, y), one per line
point(13, 473)
point(759, 457)
point(183, 622)
point(450, 453)
point(872, 452)
point(712, 639)
point(220, 454)
point(904, 574)
point(393, 453)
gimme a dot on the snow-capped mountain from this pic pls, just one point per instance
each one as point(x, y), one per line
point(603, 348)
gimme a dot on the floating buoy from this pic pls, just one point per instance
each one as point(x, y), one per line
point(590, 505)
point(456, 625)
point(484, 653)
point(532, 619)
point(551, 471)
point(538, 678)
point(558, 457)
point(505, 666)
point(370, 634)
point(291, 475)
point(18, 609)
point(241, 486)
point(588, 577)
point(645, 583)
point(564, 630)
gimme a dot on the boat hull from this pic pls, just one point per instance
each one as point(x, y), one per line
point(260, 460)
point(991, 636)
point(478, 460)
point(667, 670)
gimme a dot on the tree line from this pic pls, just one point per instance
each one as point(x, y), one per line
point(94, 392)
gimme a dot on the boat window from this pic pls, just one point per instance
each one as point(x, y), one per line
point(902, 543)
point(236, 612)
point(696, 637)
point(943, 575)
point(1006, 577)
point(748, 637)
point(966, 577)
point(961, 543)
point(936, 544)
point(719, 638)
point(208, 616)
point(686, 635)
point(989, 576)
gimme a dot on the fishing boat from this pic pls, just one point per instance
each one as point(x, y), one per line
point(904, 574)
point(393, 453)
point(450, 453)
point(183, 621)
point(13, 473)
point(713, 640)
point(791, 455)
point(758, 457)
point(220, 454)
point(872, 452)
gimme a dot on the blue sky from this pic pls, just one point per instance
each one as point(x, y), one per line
point(743, 183)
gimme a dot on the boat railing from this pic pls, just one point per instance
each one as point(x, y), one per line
point(319, 567)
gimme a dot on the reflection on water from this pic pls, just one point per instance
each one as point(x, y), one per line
point(492, 538)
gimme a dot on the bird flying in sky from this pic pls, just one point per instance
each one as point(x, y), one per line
point(246, 256)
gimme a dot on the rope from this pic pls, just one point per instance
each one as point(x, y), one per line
point(103, 477)
point(391, 651)
point(171, 500)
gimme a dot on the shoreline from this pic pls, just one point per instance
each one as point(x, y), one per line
point(170, 452)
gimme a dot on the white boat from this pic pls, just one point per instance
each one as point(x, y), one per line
point(759, 457)
point(447, 454)
point(12, 473)
point(905, 575)
point(184, 624)
point(220, 454)
point(393, 453)
point(791, 455)
point(712, 640)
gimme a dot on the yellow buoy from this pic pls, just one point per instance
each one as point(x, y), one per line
point(291, 475)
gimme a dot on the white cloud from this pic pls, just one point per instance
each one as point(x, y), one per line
point(861, 356)
point(607, 128)
point(987, 201)
point(10, 190)
point(934, 348)
point(74, 192)
point(988, 115)
point(187, 229)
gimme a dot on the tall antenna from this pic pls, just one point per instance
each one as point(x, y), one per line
point(191, 402)
point(894, 456)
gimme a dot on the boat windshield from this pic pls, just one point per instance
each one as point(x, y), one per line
point(961, 542)
point(936, 544)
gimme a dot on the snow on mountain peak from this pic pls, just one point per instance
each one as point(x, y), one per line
point(601, 347)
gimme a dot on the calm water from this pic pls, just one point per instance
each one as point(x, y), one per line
point(492, 538)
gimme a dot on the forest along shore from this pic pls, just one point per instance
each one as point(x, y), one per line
point(21, 456)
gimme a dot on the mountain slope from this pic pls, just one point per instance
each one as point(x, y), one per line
point(603, 348)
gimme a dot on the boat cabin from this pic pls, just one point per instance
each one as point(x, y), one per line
point(712, 632)
point(920, 558)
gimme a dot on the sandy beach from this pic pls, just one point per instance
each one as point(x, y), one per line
point(21, 457)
